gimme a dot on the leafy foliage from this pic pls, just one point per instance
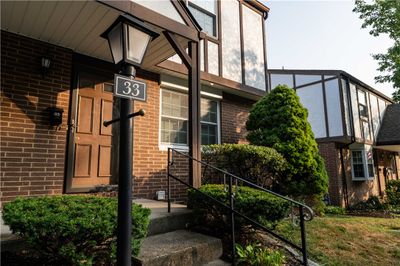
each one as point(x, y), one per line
point(372, 203)
point(259, 256)
point(260, 165)
point(279, 121)
point(393, 193)
point(384, 18)
point(73, 230)
point(255, 204)
point(334, 210)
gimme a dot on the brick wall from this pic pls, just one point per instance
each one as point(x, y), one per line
point(332, 163)
point(234, 114)
point(32, 153)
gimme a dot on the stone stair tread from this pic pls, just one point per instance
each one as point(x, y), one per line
point(218, 262)
point(179, 247)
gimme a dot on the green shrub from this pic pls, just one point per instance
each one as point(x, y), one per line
point(259, 256)
point(261, 165)
point(73, 230)
point(279, 121)
point(393, 193)
point(255, 204)
point(372, 203)
point(334, 210)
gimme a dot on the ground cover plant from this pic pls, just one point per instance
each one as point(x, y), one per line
point(279, 121)
point(349, 240)
point(257, 255)
point(73, 230)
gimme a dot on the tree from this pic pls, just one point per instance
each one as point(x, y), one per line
point(383, 16)
point(279, 121)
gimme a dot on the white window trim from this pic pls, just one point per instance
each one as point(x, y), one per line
point(365, 166)
point(184, 147)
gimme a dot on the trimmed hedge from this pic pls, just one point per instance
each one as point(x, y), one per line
point(73, 230)
point(255, 204)
point(393, 193)
point(261, 165)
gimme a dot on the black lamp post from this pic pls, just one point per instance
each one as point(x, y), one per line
point(128, 39)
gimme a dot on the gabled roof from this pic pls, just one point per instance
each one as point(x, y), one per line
point(389, 132)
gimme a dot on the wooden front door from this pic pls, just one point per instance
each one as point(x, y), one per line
point(91, 144)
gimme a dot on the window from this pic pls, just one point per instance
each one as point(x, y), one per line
point(362, 164)
point(174, 119)
point(204, 13)
point(362, 104)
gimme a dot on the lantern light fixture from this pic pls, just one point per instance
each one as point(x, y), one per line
point(45, 65)
point(129, 39)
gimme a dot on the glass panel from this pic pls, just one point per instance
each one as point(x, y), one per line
point(115, 42)
point(231, 55)
point(206, 20)
point(137, 44)
point(173, 131)
point(358, 165)
point(374, 114)
point(108, 87)
point(312, 98)
point(305, 79)
point(208, 5)
point(354, 106)
point(253, 48)
point(283, 79)
point(333, 108)
point(208, 134)
point(213, 66)
point(163, 7)
point(362, 97)
point(346, 107)
point(208, 111)
point(382, 107)
point(366, 134)
point(174, 104)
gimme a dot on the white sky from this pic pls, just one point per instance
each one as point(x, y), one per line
point(323, 35)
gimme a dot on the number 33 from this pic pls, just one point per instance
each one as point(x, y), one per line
point(132, 89)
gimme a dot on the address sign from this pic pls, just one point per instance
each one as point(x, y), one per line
point(126, 87)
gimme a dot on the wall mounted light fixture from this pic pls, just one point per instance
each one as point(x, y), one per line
point(45, 65)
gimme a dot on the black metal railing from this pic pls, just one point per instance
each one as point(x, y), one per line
point(305, 212)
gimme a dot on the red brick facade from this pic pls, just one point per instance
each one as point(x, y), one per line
point(32, 153)
point(234, 114)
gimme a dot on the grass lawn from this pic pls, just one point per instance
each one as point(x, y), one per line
point(350, 240)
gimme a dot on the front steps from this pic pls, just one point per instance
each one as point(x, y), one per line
point(179, 247)
point(170, 244)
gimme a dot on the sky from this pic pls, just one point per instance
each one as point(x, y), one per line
point(323, 35)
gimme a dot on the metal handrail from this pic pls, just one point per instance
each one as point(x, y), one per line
point(233, 212)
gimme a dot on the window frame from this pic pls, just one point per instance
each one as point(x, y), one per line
point(364, 156)
point(208, 13)
point(185, 147)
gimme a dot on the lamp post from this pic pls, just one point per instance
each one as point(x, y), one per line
point(128, 39)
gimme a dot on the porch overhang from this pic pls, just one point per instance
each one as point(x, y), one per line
point(77, 25)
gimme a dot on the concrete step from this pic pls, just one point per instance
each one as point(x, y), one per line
point(179, 248)
point(163, 222)
point(218, 263)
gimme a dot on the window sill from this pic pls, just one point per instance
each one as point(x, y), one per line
point(165, 146)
